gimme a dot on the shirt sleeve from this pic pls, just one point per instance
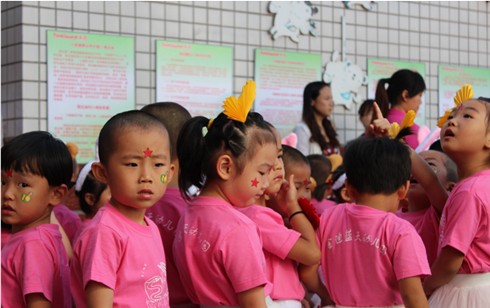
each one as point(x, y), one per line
point(461, 221)
point(37, 268)
point(276, 238)
point(409, 256)
point(303, 135)
point(243, 260)
point(100, 253)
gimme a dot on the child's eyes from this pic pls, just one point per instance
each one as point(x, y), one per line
point(261, 173)
point(467, 116)
point(159, 165)
point(131, 164)
point(23, 185)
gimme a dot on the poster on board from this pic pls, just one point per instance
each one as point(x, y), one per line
point(199, 77)
point(452, 78)
point(90, 79)
point(384, 68)
point(281, 77)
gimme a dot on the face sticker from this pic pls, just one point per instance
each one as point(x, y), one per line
point(8, 173)
point(460, 106)
point(305, 182)
point(255, 182)
point(164, 178)
point(26, 197)
point(147, 152)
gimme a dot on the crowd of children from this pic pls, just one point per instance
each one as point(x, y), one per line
point(185, 211)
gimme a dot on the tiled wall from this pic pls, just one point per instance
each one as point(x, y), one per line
point(431, 32)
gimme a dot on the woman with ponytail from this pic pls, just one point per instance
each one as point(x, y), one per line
point(399, 94)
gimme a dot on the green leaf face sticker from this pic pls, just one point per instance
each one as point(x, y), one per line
point(163, 178)
point(26, 197)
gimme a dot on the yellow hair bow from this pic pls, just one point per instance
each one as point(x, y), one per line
point(238, 109)
point(463, 94)
point(407, 121)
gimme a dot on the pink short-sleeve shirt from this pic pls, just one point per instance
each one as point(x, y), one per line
point(35, 261)
point(123, 255)
point(69, 220)
point(218, 253)
point(365, 252)
point(166, 214)
point(321, 206)
point(465, 222)
point(277, 242)
point(426, 222)
point(397, 115)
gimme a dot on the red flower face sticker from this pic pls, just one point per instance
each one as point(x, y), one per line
point(147, 152)
point(8, 173)
point(255, 182)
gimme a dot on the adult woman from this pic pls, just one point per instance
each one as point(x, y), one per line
point(316, 133)
point(404, 93)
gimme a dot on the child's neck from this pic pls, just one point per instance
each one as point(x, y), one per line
point(469, 164)
point(386, 203)
point(44, 219)
point(135, 214)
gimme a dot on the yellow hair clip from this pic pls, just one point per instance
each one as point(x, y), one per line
point(407, 121)
point(463, 94)
point(238, 109)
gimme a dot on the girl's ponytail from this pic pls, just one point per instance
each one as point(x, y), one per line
point(191, 151)
point(381, 96)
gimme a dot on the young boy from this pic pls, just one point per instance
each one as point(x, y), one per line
point(36, 169)
point(168, 210)
point(370, 257)
point(118, 260)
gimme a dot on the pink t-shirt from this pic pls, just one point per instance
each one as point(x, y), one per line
point(397, 115)
point(218, 252)
point(426, 222)
point(35, 261)
point(465, 222)
point(123, 255)
point(365, 252)
point(69, 220)
point(277, 242)
point(321, 206)
point(166, 214)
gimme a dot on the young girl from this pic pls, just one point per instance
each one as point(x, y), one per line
point(404, 93)
point(217, 249)
point(92, 194)
point(283, 246)
point(321, 168)
point(118, 259)
point(36, 169)
point(461, 272)
point(316, 133)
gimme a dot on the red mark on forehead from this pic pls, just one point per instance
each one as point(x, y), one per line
point(148, 152)
point(305, 182)
point(460, 106)
point(255, 182)
point(8, 173)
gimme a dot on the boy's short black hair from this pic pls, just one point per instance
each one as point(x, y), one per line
point(39, 153)
point(119, 122)
point(173, 116)
point(377, 165)
point(293, 156)
point(321, 168)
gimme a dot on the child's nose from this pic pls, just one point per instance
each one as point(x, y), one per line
point(145, 175)
point(7, 192)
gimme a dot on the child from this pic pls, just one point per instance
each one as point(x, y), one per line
point(167, 211)
point(376, 256)
point(321, 167)
point(217, 249)
point(92, 194)
point(283, 246)
point(36, 169)
point(461, 272)
point(119, 259)
point(296, 163)
point(419, 211)
point(366, 114)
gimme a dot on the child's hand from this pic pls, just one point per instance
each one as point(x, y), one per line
point(287, 197)
point(380, 126)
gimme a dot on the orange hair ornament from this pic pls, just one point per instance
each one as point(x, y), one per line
point(406, 122)
point(463, 94)
point(238, 109)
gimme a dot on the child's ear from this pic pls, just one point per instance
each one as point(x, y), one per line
point(450, 185)
point(99, 172)
point(348, 193)
point(224, 165)
point(58, 194)
point(170, 174)
point(345, 194)
point(403, 190)
point(89, 198)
